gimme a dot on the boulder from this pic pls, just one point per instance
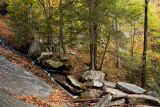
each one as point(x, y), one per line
point(105, 100)
point(116, 103)
point(143, 99)
point(114, 92)
point(92, 75)
point(71, 90)
point(19, 81)
point(64, 58)
point(34, 49)
point(153, 94)
point(130, 88)
point(71, 52)
point(45, 56)
point(97, 84)
point(74, 82)
point(109, 84)
point(52, 64)
point(91, 93)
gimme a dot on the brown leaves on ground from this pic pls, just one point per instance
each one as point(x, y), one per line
point(5, 31)
point(56, 99)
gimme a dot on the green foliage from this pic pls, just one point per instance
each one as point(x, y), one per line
point(21, 21)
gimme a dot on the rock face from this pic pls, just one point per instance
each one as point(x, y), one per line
point(143, 99)
point(7, 101)
point(34, 49)
point(130, 88)
point(18, 81)
point(52, 64)
point(93, 76)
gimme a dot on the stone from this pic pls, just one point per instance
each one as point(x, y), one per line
point(143, 99)
point(109, 84)
point(116, 103)
point(19, 81)
point(130, 88)
point(97, 84)
point(74, 82)
point(153, 94)
point(114, 92)
point(105, 100)
point(145, 106)
point(64, 58)
point(6, 100)
point(71, 53)
point(71, 90)
point(52, 64)
point(34, 49)
point(92, 75)
point(91, 93)
point(45, 56)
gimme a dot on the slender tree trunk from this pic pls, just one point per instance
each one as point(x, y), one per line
point(105, 50)
point(117, 44)
point(143, 80)
point(133, 42)
point(61, 33)
point(93, 34)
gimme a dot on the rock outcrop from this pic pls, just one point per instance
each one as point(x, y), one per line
point(19, 81)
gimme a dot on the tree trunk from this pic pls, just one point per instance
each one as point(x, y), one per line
point(143, 80)
point(61, 33)
point(118, 60)
point(133, 42)
point(105, 50)
point(93, 26)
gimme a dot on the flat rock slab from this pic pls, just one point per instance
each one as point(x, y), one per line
point(143, 99)
point(114, 92)
point(130, 88)
point(8, 101)
point(74, 81)
point(19, 81)
point(105, 100)
point(116, 103)
point(109, 84)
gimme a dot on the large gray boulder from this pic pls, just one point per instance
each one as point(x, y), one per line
point(92, 75)
point(143, 99)
point(34, 49)
point(7, 100)
point(19, 81)
point(130, 88)
point(52, 64)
